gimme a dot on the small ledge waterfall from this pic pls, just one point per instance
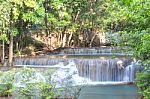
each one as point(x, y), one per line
point(96, 51)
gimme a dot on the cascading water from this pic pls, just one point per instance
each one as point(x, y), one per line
point(96, 51)
point(97, 70)
point(106, 70)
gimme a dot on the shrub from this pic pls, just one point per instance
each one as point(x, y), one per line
point(47, 91)
point(33, 86)
point(143, 82)
point(6, 82)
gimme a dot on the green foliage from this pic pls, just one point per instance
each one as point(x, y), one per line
point(143, 82)
point(6, 82)
point(129, 19)
point(4, 19)
point(34, 87)
point(13, 31)
point(4, 37)
point(55, 16)
point(28, 92)
point(47, 91)
point(36, 90)
point(14, 14)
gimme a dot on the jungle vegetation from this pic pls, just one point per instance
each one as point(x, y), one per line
point(128, 21)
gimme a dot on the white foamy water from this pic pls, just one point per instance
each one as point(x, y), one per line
point(22, 79)
point(67, 76)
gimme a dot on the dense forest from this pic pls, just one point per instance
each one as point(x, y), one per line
point(35, 25)
point(56, 23)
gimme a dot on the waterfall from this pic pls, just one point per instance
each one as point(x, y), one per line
point(95, 51)
point(95, 69)
point(129, 73)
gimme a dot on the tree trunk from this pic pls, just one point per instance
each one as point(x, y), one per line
point(10, 60)
point(69, 39)
point(92, 40)
point(46, 17)
point(3, 58)
point(62, 37)
point(64, 40)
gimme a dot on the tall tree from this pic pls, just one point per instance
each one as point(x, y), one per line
point(16, 16)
